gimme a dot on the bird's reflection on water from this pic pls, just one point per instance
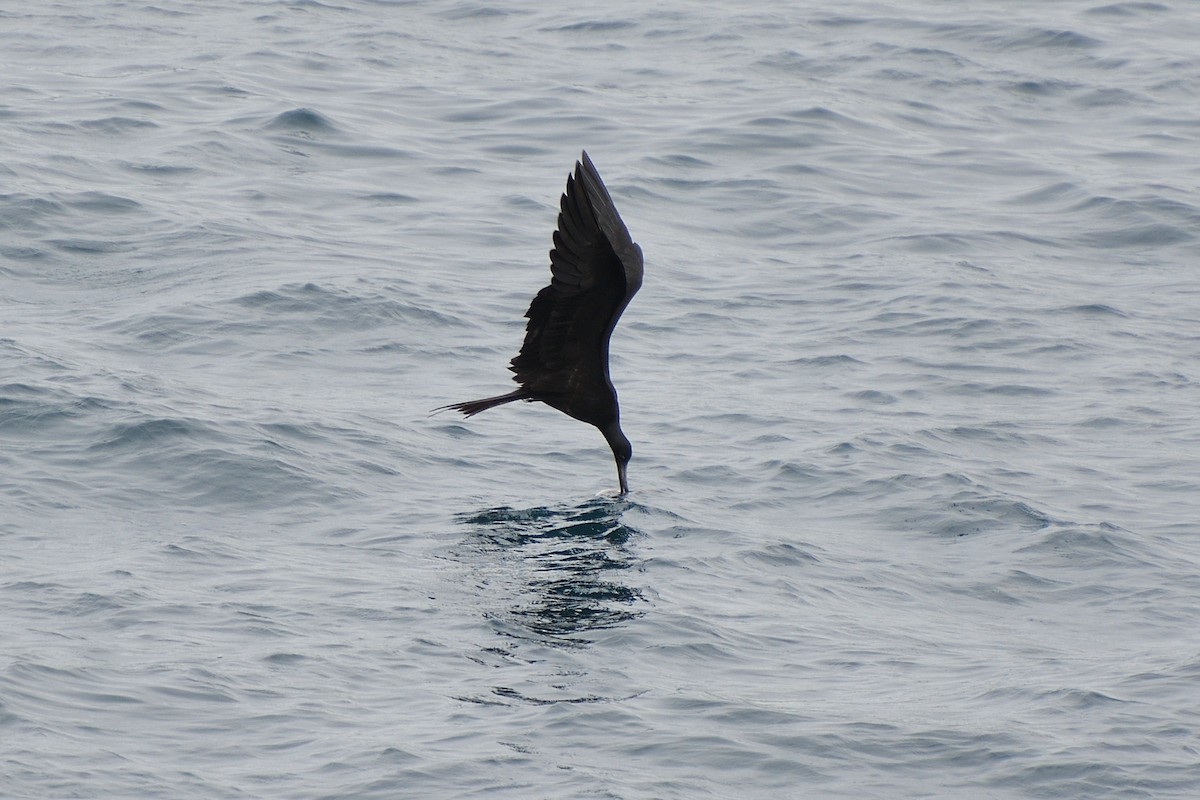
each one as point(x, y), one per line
point(567, 578)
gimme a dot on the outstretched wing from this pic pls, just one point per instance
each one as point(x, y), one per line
point(595, 269)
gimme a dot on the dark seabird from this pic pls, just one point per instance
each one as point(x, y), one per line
point(596, 268)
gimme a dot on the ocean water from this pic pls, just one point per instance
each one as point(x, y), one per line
point(912, 384)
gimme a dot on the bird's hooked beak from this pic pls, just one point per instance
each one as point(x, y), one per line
point(622, 451)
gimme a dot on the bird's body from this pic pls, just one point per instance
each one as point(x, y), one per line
point(595, 270)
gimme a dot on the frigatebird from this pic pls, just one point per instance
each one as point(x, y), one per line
point(595, 268)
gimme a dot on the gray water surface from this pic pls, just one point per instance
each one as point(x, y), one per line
point(912, 386)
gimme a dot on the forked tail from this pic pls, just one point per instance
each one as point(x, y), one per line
point(473, 407)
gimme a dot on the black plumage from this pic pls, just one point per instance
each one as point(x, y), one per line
point(596, 268)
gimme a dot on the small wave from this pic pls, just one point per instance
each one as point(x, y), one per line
point(359, 150)
point(92, 246)
point(967, 514)
point(1055, 40)
point(1135, 237)
point(221, 477)
point(824, 361)
point(1001, 389)
point(1135, 223)
point(1092, 310)
point(1123, 208)
point(20, 254)
point(1051, 193)
point(165, 329)
point(1103, 423)
point(22, 211)
point(933, 242)
point(391, 198)
point(680, 160)
point(338, 307)
point(162, 170)
point(102, 201)
point(594, 26)
point(1080, 699)
point(116, 125)
point(152, 432)
point(475, 11)
point(1042, 88)
point(1133, 9)
point(1027, 39)
point(1097, 545)
point(791, 61)
point(949, 505)
point(302, 120)
point(1109, 98)
point(36, 410)
point(781, 555)
point(874, 397)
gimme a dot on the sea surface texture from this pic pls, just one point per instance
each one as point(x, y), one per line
point(913, 385)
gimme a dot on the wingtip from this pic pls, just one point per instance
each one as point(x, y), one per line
point(587, 174)
point(585, 165)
